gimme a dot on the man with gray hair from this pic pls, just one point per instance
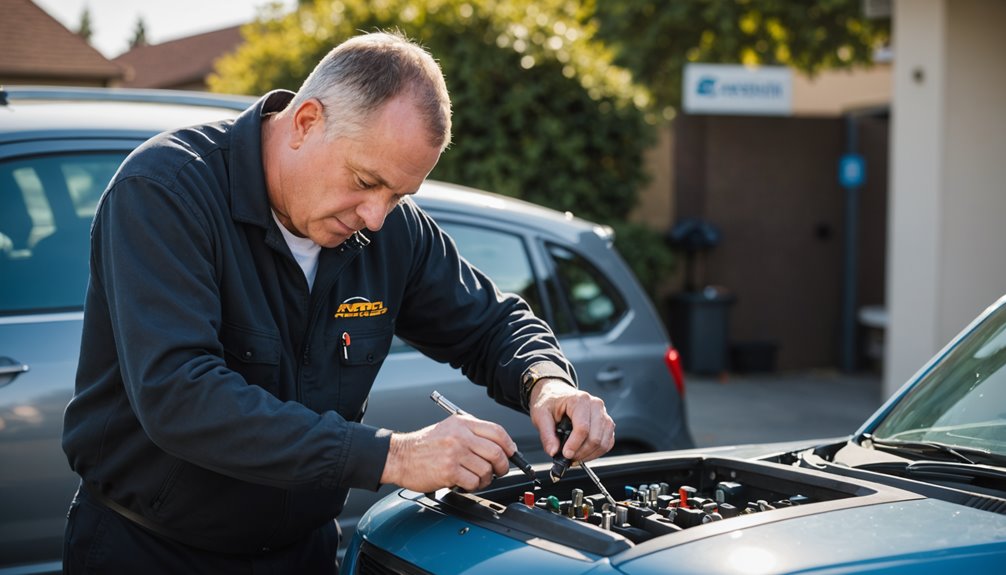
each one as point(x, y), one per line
point(223, 374)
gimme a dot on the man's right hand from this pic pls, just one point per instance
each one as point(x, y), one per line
point(460, 451)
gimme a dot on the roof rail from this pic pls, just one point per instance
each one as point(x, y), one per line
point(231, 101)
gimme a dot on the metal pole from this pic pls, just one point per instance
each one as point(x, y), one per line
point(850, 261)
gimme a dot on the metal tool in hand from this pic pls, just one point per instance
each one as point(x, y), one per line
point(517, 458)
point(560, 463)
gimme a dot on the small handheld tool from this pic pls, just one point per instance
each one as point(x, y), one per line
point(560, 463)
point(517, 458)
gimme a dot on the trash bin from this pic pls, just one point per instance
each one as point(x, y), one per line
point(873, 319)
point(699, 323)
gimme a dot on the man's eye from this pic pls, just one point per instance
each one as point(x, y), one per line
point(363, 184)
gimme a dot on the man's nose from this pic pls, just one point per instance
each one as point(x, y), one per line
point(372, 212)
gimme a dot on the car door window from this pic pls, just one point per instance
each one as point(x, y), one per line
point(595, 304)
point(499, 255)
point(46, 207)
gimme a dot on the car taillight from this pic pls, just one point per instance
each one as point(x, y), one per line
point(673, 360)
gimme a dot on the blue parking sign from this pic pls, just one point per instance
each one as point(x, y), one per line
point(851, 170)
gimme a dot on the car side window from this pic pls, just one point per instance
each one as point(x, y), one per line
point(595, 304)
point(499, 255)
point(46, 207)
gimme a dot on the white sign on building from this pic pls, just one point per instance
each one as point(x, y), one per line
point(736, 89)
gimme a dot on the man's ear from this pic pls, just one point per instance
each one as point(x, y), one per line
point(308, 117)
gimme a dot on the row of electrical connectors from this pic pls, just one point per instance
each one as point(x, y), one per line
point(653, 509)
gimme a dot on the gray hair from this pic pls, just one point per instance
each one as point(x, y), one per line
point(360, 75)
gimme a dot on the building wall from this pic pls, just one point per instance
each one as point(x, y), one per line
point(770, 185)
point(973, 199)
point(655, 206)
point(948, 168)
point(832, 92)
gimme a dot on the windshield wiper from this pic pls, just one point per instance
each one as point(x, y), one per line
point(928, 448)
point(951, 470)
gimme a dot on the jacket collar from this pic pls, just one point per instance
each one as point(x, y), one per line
point(249, 197)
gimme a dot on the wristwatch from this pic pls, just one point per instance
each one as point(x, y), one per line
point(536, 373)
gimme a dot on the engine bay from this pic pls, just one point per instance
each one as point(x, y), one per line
point(673, 499)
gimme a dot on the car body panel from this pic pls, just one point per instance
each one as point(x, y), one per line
point(894, 538)
point(897, 532)
point(900, 537)
point(35, 483)
point(468, 549)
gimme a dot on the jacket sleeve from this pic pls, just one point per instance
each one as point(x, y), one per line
point(155, 257)
point(455, 314)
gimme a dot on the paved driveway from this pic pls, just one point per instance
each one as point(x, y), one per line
point(778, 407)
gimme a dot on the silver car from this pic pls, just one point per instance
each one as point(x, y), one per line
point(59, 148)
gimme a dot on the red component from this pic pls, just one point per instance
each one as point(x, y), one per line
point(673, 360)
point(683, 496)
point(529, 498)
point(345, 338)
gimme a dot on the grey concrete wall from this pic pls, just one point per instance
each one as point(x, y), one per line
point(948, 175)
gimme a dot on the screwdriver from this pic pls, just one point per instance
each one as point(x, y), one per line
point(517, 458)
point(561, 463)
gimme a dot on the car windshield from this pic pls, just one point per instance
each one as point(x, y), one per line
point(961, 402)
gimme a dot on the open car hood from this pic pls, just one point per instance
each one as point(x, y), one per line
point(781, 516)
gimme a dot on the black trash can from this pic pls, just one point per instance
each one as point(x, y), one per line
point(699, 324)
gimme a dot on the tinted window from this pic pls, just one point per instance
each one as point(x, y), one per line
point(46, 207)
point(499, 255)
point(562, 320)
point(593, 301)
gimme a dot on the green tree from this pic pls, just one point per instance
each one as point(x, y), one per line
point(84, 29)
point(655, 38)
point(539, 110)
point(139, 34)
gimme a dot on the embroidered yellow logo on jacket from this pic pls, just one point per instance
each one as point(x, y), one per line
point(360, 307)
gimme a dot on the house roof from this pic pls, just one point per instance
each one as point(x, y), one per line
point(36, 45)
point(178, 63)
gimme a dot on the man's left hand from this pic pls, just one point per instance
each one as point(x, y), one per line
point(593, 432)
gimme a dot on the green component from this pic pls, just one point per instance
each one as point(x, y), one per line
point(553, 503)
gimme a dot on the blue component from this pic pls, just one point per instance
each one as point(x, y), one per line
point(630, 493)
point(851, 171)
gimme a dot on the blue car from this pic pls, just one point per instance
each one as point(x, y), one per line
point(919, 488)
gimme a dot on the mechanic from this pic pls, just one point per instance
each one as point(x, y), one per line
point(238, 312)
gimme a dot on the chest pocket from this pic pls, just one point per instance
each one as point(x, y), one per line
point(253, 354)
point(361, 354)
